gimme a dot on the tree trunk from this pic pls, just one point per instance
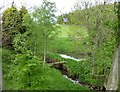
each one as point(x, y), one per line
point(118, 34)
point(112, 83)
point(94, 70)
point(1, 78)
point(44, 56)
point(1, 75)
point(45, 47)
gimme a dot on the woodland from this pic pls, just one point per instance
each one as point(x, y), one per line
point(42, 51)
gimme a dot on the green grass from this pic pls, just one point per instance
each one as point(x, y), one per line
point(66, 41)
point(61, 45)
point(40, 78)
point(50, 79)
point(64, 31)
point(71, 29)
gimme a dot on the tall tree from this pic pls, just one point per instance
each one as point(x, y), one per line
point(45, 16)
point(117, 11)
point(9, 24)
point(22, 12)
point(114, 79)
point(12, 24)
point(95, 18)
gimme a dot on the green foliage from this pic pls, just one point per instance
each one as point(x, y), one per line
point(33, 36)
point(81, 68)
point(46, 27)
point(45, 17)
point(24, 67)
point(7, 56)
point(5, 53)
point(105, 55)
point(99, 41)
point(9, 17)
point(12, 24)
point(60, 19)
point(12, 19)
point(93, 31)
point(22, 13)
point(9, 25)
point(27, 73)
point(20, 42)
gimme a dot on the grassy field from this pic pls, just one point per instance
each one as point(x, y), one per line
point(64, 30)
point(70, 40)
point(68, 29)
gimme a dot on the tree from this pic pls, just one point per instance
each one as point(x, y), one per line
point(45, 17)
point(117, 11)
point(114, 79)
point(21, 42)
point(11, 25)
point(94, 18)
point(22, 12)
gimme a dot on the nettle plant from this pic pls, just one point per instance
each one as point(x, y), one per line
point(20, 43)
point(25, 69)
point(20, 40)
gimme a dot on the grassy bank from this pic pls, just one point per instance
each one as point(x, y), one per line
point(15, 73)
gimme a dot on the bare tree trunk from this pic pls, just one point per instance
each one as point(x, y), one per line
point(1, 74)
point(118, 34)
point(94, 71)
point(45, 47)
point(1, 77)
point(0, 30)
point(44, 56)
point(112, 83)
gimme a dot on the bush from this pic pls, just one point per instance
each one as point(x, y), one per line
point(7, 56)
point(28, 73)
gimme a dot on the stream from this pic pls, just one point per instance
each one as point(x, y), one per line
point(78, 82)
point(66, 74)
point(70, 57)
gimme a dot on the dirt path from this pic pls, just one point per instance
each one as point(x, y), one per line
point(113, 79)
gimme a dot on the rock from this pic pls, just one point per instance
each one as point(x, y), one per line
point(49, 60)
